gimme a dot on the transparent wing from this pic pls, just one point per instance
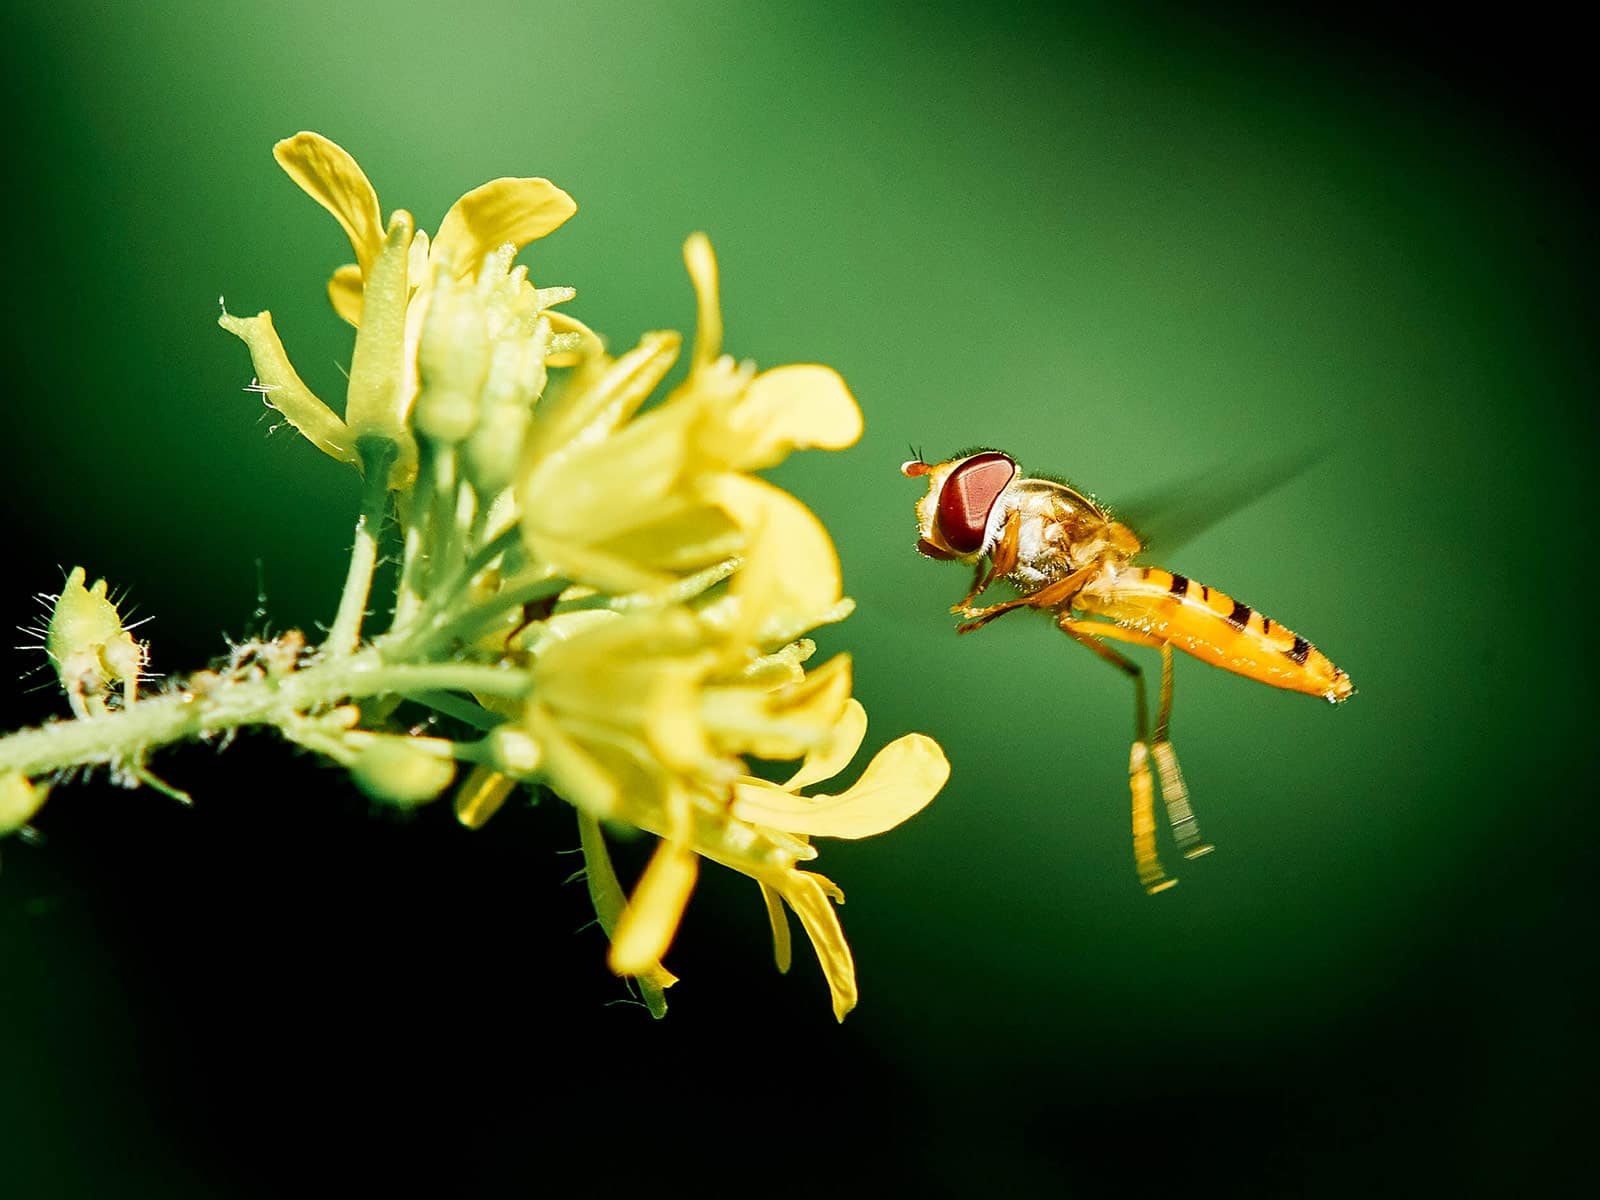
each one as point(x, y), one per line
point(1169, 516)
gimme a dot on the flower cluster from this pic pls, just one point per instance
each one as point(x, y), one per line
point(610, 549)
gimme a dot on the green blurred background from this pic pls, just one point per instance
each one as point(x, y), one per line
point(1130, 245)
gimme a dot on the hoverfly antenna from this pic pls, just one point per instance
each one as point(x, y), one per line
point(914, 466)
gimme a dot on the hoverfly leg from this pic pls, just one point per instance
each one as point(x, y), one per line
point(1052, 595)
point(981, 580)
point(1140, 783)
point(1151, 876)
point(1002, 561)
point(1174, 793)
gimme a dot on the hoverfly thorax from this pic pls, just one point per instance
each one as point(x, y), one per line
point(954, 517)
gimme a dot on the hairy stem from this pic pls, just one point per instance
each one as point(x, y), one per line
point(346, 631)
point(225, 704)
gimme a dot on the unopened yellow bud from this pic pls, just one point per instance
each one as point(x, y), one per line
point(515, 380)
point(514, 751)
point(482, 795)
point(89, 648)
point(452, 359)
point(377, 403)
point(406, 771)
point(19, 800)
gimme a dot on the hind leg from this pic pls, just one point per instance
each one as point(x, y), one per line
point(1174, 793)
point(1140, 784)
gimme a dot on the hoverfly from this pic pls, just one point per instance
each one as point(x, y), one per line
point(1067, 556)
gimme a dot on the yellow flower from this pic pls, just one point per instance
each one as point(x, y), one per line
point(647, 591)
point(644, 718)
point(633, 502)
point(632, 712)
point(384, 292)
point(765, 832)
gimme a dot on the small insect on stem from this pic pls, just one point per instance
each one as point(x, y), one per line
point(533, 612)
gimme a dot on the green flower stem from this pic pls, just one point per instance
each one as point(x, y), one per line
point(506, 543)
point(129, 735)
point(464, 711)
point(413, 564)
point(376, 458)
point(469, 626)
point(441, 500)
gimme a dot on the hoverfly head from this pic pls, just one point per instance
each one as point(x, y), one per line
point(953, 517)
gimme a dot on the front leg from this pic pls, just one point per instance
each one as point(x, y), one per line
point(1051, 595)
point(1002, 561)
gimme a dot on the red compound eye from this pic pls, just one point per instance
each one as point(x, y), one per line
point(968, 495)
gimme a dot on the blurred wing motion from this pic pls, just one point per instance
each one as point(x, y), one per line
point(1171, 516)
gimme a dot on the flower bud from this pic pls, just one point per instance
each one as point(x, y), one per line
point(87, 644)
point(452, 360)
point(515, 380)
point(19, 800)
point(514, 751)
point(404, 771)
point(482, 795)
point(376, 400)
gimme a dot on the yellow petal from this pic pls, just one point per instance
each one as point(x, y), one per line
point(702, 264)
point(687, 538)
point(820, 698)
point(283, 389)
point(503, 210)
point(646, 927)
point(605, 893)
point(602, 395)
point(780, 927)
point(326, 172)
point(827, 761)
point(649, 560)
point(417, 267)
point(790, 408)
point(571, 771)
point(791, 570)
point(605, 667)
point(672, 726)
point(344, 293)
point(784, 723)
point(597, 487)
point(808, 894)
point(898, 783)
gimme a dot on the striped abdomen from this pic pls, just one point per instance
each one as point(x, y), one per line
point(1215, 628)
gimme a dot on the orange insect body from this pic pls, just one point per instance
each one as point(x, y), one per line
point(1065, 555)
point(1215, 628)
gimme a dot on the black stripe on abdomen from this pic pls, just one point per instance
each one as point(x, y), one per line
point(1300, 651)
point(1180, 585)
point(1240, 616)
